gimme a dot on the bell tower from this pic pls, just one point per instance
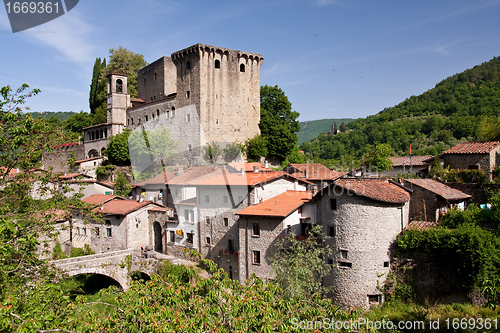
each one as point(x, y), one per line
point(118, 100)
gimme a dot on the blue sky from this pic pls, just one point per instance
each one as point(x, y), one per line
point(333, 58)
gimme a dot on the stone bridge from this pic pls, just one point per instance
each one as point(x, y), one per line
point(118, 265)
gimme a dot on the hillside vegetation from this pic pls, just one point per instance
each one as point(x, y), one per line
point(457, 109)
point(311, 129)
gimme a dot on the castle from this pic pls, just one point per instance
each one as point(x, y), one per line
point(202, 94)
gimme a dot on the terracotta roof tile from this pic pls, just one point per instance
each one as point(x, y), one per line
point(162, 178)
point(249, 167)
point(280, 206)
point(405, 160)
point(98, 199)
point(316, 171)
point(89, 159)
point(473, 148)
point(376, 189)
point(159, 209)
point(248, 179)
point(74, 175)
point(440, 189)
point(121, 207)
point(191, 175)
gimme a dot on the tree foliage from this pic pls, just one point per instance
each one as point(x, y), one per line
point(378, 157)
point(98, 85)
point(256, 147)
point(117, 151)
point(127, 62)
point(300, 266)
point(278, 124)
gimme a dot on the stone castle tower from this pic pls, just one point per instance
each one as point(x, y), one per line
point(202, 94)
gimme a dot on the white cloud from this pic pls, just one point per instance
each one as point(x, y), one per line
point(69, 35)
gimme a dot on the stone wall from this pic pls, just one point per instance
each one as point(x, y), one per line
point(423, 204)
point(58, 157)
point(365, 230)
point(479, 192)
point(157, 80)
point(271, 230)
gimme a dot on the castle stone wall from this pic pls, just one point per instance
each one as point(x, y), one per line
point(58, 157)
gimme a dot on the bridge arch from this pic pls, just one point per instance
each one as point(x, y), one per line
point(119, 277)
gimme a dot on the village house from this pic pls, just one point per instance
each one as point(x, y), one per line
point(262, 225)
point(362, 218)
point(472, 156)
point(431, 199)
point(88, 166)
point(408, 165)
point(120, 224)
point(220, 197)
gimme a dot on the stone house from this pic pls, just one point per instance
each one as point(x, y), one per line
point(473, 156)
point(431, 199)
point(87, 187)
point(220, 197)
point(261, 226)
point(120, 224)
point(88, 166)
point(362, 218)
point(405, 165)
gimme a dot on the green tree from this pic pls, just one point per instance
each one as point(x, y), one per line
point(256, 147)
point(154, 146)
point(213, 152)
point(342, 127)
point(123, 187)
point(127, 62)
point(278, 123)
point(489, 129)
point(379, 157)
point(232, 151)
point(77, 122)
point(98, 86)
point(300, 266)
point(117, 150)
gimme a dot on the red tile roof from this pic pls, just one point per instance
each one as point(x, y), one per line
point(248, 179)
point(405, 160)
point(89, 159)
point(191, 175)
point(98, 199)
point(376, 189)
point(162, 178)
point(280, 206)
point(159, 209)
point(473, 148)
point(316, 171)
point(74, 175)
point(120, 207)
point(440, 189)
point(249, 167)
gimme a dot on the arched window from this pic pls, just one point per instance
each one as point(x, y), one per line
point(242, 67)
point(188, 65)
point(217, 63)
point(173, 111)
point(119, 86)
point(89, 136)
point(157, 112)
point(93, 135)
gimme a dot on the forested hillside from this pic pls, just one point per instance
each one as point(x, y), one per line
point(461, 107)
point(313, 128)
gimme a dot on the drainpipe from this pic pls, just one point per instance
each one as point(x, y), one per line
point(246, 250)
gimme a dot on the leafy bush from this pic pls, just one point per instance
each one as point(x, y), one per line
point(79, 252)
point(466, 176)
point(57, 252)
point(169, 271)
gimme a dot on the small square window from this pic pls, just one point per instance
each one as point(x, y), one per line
point(332, 231)
point(189, 148)
point(207, 218)
point(226, 222)
point(208, 240)
point(386, 264)
point(230, 245)
point(333, 204)
point(256, 230)
point(84, 231)
point(374, 299)
point(345, 264)
point(108, 232)
point(207, 198)
point(188, 94)
point(146, 118)
point(256, 257)
point(343, 254)
point(172, 236)
point(189, 238)
point(330, 262)
point(168, 114)
point(188, 117)
point(97, 231)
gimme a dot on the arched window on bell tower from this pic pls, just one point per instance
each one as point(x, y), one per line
point(119, 86)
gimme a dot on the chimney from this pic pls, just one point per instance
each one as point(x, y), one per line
point(314, 190)
point(255, 169)
point(180, 171)
point(243, 171)
point(267, 164)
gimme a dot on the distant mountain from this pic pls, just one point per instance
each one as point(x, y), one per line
point(47, 115)
point(455, 110)
point(313, 128)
